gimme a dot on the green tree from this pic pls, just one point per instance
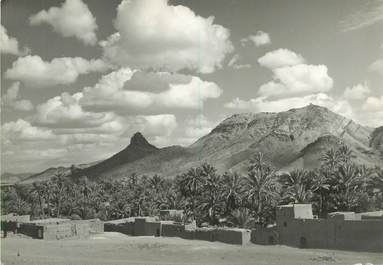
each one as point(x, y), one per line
point(262, 188)
point(298, 186)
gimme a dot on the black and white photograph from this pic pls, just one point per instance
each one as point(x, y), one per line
point(185, 132)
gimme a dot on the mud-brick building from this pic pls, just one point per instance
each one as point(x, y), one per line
point(296, 226)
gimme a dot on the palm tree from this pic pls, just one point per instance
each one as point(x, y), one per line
point(258, 162)
point(298, 186)
point(321, 188)
point(60, 190)
point(232, 191)
point(377, 179)
point(345, 154)
point(330, 160)
point(347, 187)
point(262, 188)
point(156, 183)
point(241, 218)
point(38, 189)
point(212, 192)
point(190, 185)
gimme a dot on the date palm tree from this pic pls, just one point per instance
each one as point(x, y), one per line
point(38, 190)
point(261, 187)
point(211, 201)
point(232, 191)
point(298, 186)
point(330, 160)
point(190, 185)
point(347, 187)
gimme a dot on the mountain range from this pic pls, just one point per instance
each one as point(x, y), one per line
point(295, 138)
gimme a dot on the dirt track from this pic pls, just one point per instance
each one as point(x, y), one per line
point(115, 248)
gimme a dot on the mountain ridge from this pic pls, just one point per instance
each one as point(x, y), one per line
point(289, 139)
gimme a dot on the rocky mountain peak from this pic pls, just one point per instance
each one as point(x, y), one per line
point(139, 140)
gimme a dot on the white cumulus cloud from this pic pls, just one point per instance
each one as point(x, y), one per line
point(280, 58)
point(72, 19)
point(109, 93)
point(357, 92)
point(297, 80)
point(10, 45)
point(10, 99)
point(157, 35)
point(23, 130)
point(65, 112)
point(33, 71)
point(373, 104)
point(261, 38)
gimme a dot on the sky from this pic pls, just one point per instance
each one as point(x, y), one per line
point(79, 78)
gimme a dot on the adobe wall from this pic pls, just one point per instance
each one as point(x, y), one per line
point(188, 234)
point(57, 231)
point(81, 230)
point(9, 226)
point(342, 230)
point(32, 230)
point(16, 218)
point(124, 228)
point(232, 236)
point(96, 226)
point(153, 229)
point(140, 227)
point(172, 230)
point(205, 234)
point(366, 235)
point(307, 233)
point(224, 235)
point(265, 235)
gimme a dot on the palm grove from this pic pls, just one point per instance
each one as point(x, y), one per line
point(229, 199)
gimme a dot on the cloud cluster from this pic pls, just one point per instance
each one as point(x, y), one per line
point(153, 41)
point(110, 93)
point(261, 38)
point(291, 76)
point(280, 58)
point(72, 19)
point(10, 99)
point(65, 111)
point(22, 130)
point(373, 104)
point(295, 84)
point(157, 35)
point(10, 45)
point(357, 92)
point(33, 71)
point(297, 80)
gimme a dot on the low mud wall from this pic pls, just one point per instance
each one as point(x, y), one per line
point(15, 218)
point(32, 230)
point(96, 226)
point(264, 236)
point(124, 228)
point(172, 230)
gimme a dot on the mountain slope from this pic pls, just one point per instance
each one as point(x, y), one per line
point(12, 178)
point(138, 148)
point(291, 139)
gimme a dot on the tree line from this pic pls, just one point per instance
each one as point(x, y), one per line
point(231, 199)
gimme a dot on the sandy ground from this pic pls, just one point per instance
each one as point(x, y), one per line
point(116, 248)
